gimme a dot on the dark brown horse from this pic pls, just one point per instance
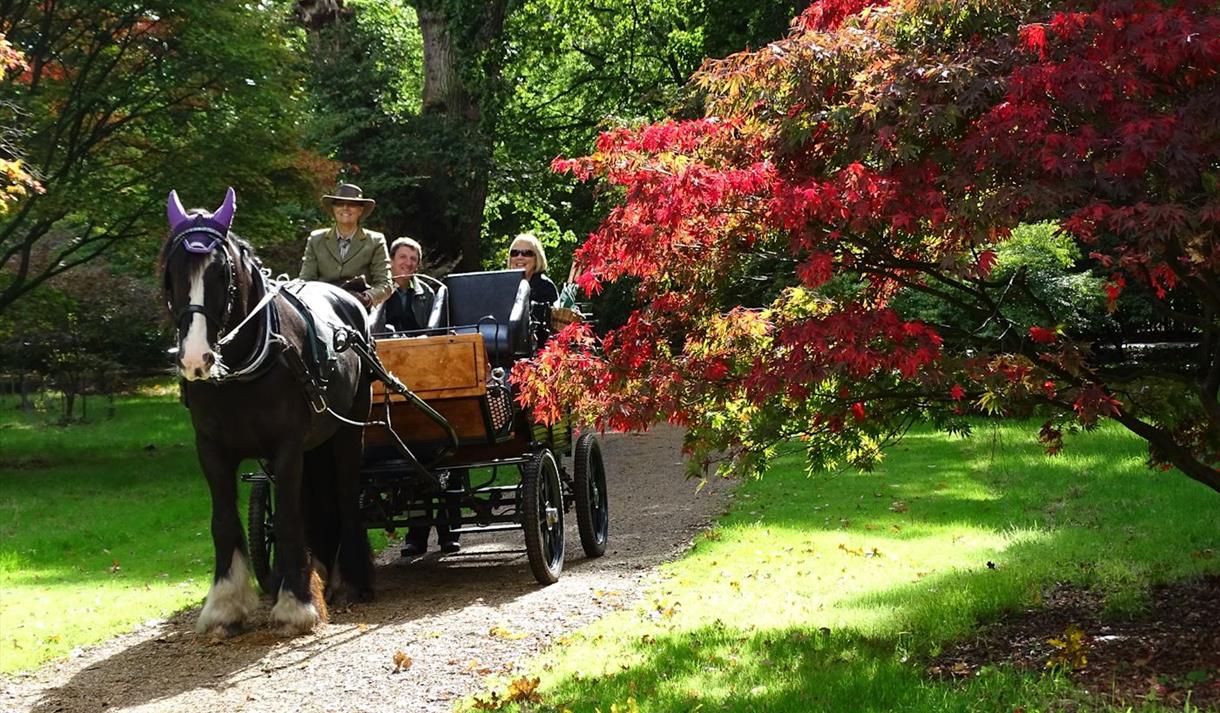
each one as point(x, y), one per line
point(263, 378)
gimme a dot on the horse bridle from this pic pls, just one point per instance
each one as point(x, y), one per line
point(211, 238)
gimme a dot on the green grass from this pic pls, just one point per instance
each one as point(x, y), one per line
point(829, 593)
point(103, 526)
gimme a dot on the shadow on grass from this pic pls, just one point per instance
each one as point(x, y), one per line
point(1000, 521)
point(723, 668)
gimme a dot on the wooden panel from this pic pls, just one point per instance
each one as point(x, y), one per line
point(464, 414)
point(448, 366)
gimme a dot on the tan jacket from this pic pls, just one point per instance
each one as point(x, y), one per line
point(365, 256)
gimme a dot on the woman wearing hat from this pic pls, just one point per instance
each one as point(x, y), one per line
point(347, 252)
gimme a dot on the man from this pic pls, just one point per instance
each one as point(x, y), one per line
point(347, 254)
point(410, 304)
point(409, 308)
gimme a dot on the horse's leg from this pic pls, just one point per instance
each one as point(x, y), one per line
point(321, 506)
point(296, 611)
point(354, 570)
point(232, 598)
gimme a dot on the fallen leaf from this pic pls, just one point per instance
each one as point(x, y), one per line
point(523, 690)
point(899, 506)
point(500, 632)
point(402, 662)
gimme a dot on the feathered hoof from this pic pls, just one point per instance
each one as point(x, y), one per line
point(230, 602)
point(220, 632)
point(292, 617)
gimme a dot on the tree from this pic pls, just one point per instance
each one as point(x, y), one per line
point(884, 149)
point(428, 167)
point(449, 112)
point(15, 180)
point(573, 67)
point(119, 101)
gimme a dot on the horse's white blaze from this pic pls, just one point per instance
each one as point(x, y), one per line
point(195, 344)
point(231, 598)
point(294, 616)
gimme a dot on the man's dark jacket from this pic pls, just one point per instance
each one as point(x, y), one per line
point(406, 308)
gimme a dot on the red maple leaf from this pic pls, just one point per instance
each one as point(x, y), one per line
point(1042, 335)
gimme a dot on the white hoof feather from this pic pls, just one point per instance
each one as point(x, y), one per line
point(292, 616)
point(230, 600)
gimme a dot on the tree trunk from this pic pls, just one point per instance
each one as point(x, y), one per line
point(455, 131)
point(69, 406)
point(460, 189)
point(23, 385)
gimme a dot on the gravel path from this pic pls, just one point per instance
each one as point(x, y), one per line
point(459, 618)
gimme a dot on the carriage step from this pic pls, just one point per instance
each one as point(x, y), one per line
point(495, 527)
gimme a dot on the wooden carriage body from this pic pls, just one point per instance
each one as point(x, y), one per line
point(455, 440)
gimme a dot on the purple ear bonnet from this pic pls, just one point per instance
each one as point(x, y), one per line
point(202, 232)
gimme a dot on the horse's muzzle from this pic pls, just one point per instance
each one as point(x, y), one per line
point(200, 369)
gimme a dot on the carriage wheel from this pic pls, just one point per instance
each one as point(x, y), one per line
point(540, 506)
point(592, 503)
point(261, 525)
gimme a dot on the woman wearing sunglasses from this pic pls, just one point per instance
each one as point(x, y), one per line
point(526, 254)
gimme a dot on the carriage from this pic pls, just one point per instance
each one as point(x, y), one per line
point(446, 443)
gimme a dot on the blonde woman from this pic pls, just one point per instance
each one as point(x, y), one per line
point(526, 253)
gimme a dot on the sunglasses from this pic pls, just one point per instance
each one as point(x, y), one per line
point(520, 253)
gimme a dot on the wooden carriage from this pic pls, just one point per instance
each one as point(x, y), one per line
point(447, 444)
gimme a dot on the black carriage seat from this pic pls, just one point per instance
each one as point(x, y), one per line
point(438, 319)
point(495, 304)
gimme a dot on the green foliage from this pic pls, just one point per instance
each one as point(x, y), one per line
point(1038, 279)
point(575, 68)
point(126, 100)
point(87, 332)
point(364, 70)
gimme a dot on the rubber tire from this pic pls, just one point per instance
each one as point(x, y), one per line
point(261, 528)
point(541, 490)
point(592, 502)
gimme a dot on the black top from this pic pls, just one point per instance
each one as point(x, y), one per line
point(409, 309)
point(542, 289)
point(542, 294)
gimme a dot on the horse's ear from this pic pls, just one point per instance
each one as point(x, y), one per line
point(175, 212)
point(224, 214)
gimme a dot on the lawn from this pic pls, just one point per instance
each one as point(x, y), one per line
point(822, 592)
point(831, 592)
point(103, 525)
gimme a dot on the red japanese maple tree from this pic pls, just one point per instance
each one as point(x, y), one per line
point(885, 150)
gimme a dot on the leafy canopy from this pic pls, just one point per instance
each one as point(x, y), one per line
point(885, 150)
point(118, 101)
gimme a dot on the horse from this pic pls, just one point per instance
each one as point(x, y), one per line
point(262, 377)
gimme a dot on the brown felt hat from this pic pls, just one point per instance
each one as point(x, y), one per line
point(349, 193)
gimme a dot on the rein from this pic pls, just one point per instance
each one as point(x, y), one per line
point(255, 364)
